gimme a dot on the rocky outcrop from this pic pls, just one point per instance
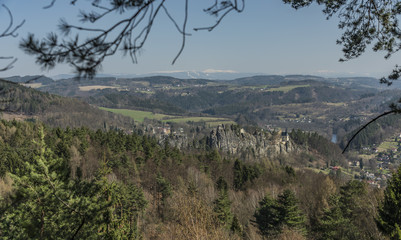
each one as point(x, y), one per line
point(237, 141)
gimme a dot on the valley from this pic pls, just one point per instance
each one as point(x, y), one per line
point(328, 106)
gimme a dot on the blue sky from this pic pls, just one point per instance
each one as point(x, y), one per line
point(268, 37)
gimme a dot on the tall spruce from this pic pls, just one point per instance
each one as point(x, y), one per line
point(273, 215)
point(290, 214)
point(267, 216)
point(222, 205)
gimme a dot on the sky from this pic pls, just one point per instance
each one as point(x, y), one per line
point(269, 37)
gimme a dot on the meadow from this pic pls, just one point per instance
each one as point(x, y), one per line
point(140, 116)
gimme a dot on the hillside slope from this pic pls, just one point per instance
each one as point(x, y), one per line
point(21, 102)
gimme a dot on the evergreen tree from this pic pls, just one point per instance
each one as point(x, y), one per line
point(290, 214)
point(221, 184)
point(342, 220)
point(273, 214)
point(334, 225)
point(222, 205)
point(389, 217)
point(222, 208)
point(267, 216)
point(238, 175)
point(236, 226)
point(163, 191)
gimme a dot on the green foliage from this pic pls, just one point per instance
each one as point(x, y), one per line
point(343, 219)
point(236, 226)
point(222, 209)
point(222, 205)
point(290, 214)
point(389, 216)
point(267, 216)
point(273, 215)
point(334, 225)
point(221, 184)
point(163, 187)
point(244, 173)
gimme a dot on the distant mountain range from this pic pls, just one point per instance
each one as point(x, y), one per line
point(206, 74)
point(221, 75)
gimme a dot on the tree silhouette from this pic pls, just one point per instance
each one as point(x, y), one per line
point(128, 34)
point(9, 31)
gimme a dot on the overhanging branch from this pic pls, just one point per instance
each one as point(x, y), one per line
point(367, 124)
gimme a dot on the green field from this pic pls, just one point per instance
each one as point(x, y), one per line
point(141, 115)
point(136, 115)
point(387, 145)
point(286, 88)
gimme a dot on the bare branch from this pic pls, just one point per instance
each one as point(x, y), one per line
point(174, 22)
point(222, 6)
point(10, 31)
point(367, 124)
point(9, 66)
point(50, 5)
point(183, 32)
point(128, 34)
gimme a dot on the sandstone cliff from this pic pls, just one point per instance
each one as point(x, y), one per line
point(236, 141)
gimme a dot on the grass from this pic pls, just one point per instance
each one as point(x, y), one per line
point(136, 114)
point(93, 87)
point(32, 85)
point(286, 89)
point(339, 104)
point(387, 145)
point(194, 119)
point(140, 116)
point(365, 156)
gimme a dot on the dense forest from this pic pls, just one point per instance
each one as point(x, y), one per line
point(77, 183)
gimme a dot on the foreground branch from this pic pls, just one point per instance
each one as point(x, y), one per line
point(367, 124)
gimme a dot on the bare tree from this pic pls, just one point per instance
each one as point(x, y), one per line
point(9, 31)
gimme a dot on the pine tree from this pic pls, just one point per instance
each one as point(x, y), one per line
point(273, 214)
point(267, 216)
point(238, 175)
point(342, 220)
point(236, 226)
point(389, 218)
point(334, 225)
point(222, 205)
point(163, 191)
point(290, 214)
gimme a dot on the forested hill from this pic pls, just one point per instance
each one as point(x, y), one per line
point(17, 101)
